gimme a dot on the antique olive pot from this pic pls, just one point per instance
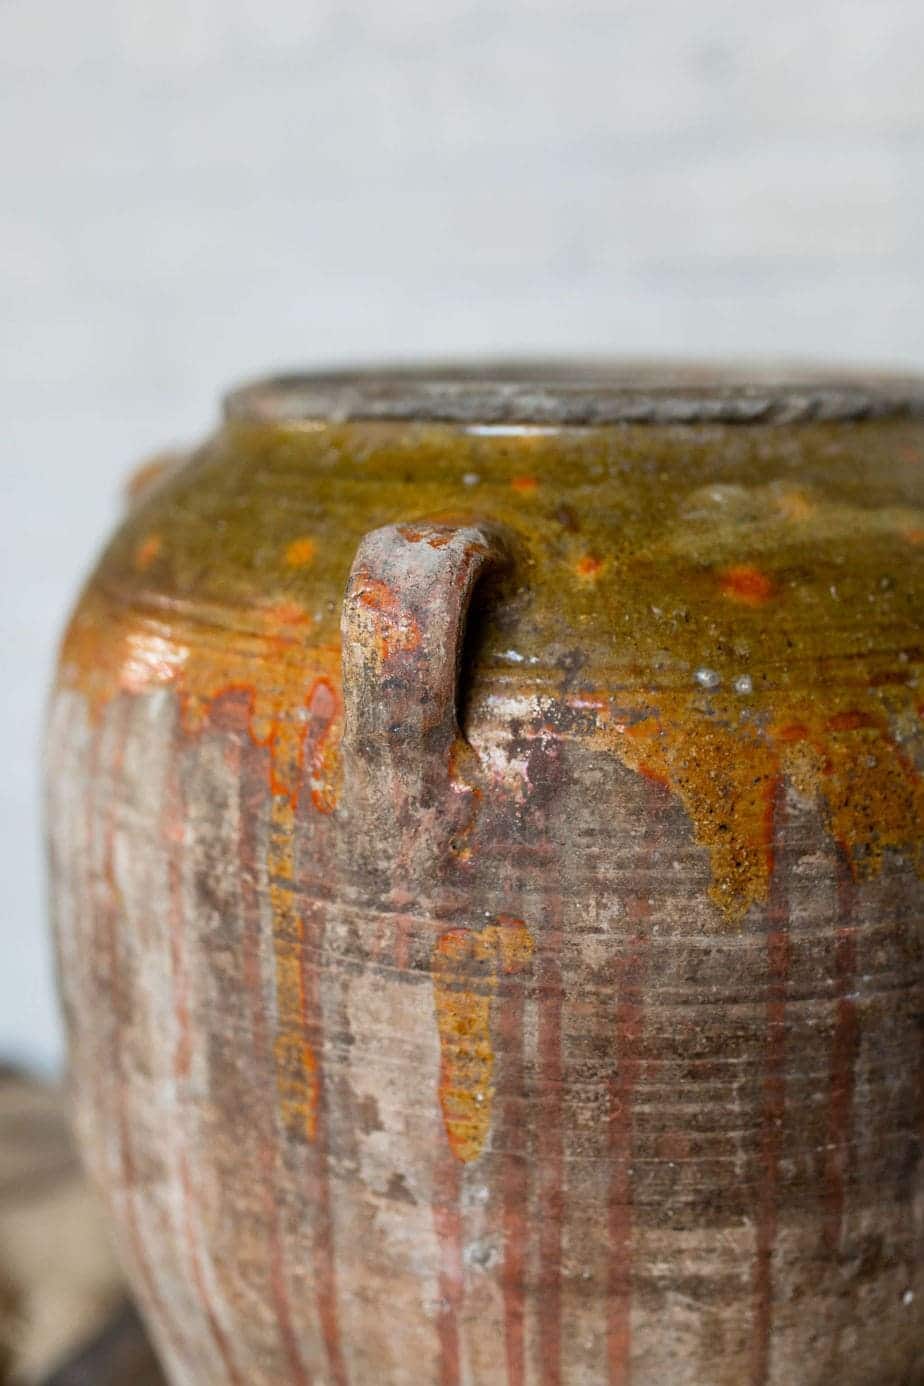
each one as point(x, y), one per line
point(487, 830)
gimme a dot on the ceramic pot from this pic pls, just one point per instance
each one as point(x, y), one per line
point(508, 972)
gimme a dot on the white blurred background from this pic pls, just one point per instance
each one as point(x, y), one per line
point(195, 191)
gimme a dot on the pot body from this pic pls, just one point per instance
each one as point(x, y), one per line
point(509, 971)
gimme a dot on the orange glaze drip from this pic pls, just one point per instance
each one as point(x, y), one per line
point(294, 708)
point(296, 1064)
point(650, 548)
point(300, 552)
point(744, 583)
point(726, 782)
point(589, 567)
point(725, 772)
point(147, 550)
point(467, 966)
point(292, 686)
point(396, 632)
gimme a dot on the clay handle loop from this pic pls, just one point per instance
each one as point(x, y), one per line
point(402, 629)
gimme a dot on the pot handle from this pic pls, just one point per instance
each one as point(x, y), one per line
point(402, 630)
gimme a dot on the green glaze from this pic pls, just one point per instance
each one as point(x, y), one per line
point(742, 601)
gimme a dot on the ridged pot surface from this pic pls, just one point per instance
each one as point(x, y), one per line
point(487, 834)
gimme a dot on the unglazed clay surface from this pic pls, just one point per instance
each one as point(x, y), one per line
point(558, 1027)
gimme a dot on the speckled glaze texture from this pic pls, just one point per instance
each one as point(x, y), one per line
point(487, 835)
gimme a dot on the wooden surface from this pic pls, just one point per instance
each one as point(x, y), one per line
point(58, 1279)
point(119, 1355)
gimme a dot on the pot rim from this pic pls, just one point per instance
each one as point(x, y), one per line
point(576, 392)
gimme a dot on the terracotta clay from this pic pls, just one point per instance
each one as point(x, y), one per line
point(487, 835)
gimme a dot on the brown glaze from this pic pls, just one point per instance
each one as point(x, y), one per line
point(523, 985)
